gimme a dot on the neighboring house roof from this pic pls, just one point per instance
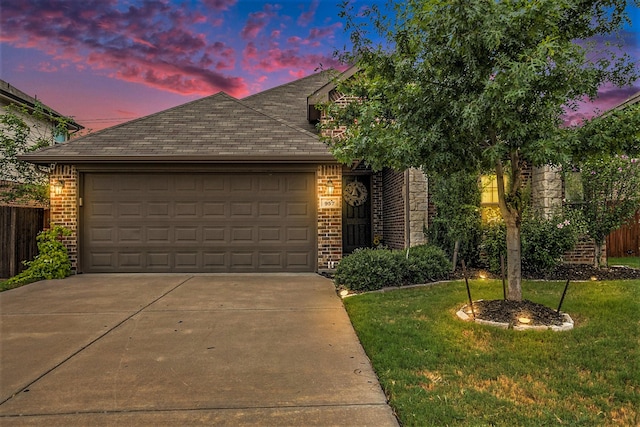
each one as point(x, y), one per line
point(634, 99)
point(289, 101)
point(12, 95)
point(218, 128)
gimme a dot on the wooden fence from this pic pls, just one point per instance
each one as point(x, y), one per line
point(626, 240)
point(18, 230)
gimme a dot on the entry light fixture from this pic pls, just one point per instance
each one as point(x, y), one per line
point(330, 187)
point(58, 186)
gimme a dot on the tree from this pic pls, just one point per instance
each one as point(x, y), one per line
point(611, 187)
point(22, 181)
point(476, 85)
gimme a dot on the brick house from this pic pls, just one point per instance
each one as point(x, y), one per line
point(232, 185)
point(224, 185)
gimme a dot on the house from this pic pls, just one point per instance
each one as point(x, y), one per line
point(223, 185)
point(42, 126)
point(232, 185)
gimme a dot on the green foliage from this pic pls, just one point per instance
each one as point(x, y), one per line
point(24, 181)
point(544, 241)
point(611, 187)
point(426, 263)
point(456, 198)
point(474, 85)
point(52, 261)
point(372, 269)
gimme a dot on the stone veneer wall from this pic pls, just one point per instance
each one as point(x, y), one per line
point(64, 207)
point(394, 213)
point(418, 207)
point(329, 219)
point(546, 190)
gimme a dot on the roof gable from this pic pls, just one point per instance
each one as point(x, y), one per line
point(289, 101)
point(215, 128)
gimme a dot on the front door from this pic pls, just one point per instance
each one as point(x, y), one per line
point(356, 213)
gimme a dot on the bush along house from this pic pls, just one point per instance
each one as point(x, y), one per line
point(231, 185)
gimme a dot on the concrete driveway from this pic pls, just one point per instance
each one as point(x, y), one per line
point(179, 349)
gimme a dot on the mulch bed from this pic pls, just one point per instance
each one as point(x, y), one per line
point(512, 311)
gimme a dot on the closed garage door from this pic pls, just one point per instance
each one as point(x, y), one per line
point(198, 222)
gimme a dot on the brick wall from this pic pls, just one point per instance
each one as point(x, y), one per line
point(394, 213)
point(583, 253)
point(377, 206)
point(64, 206)
point(329, 219)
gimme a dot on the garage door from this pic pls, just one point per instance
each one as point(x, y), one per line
point(198, 222)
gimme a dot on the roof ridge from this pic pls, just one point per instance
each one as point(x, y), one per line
point(127, 123)
point(285, 84)
point(279, 120)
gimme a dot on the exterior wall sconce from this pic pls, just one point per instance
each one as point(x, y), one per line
point(58, 186)
point(330, 187)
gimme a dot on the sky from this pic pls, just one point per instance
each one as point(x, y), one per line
point(104, 62)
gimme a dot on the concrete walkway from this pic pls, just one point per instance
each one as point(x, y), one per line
point(179, 349)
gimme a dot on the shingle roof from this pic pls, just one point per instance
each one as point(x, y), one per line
point(289, 101)
point(212, 129)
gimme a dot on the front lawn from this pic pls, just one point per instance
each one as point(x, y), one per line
point(633, 262)
point(438, 370)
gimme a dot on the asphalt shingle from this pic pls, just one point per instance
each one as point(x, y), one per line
point(268, 126)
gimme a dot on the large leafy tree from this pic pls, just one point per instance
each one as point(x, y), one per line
point(477, 85)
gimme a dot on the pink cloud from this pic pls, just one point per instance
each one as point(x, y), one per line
point(307, 17)
point(257, 21)
point(151, 43)
point(219, 4)
point(47, 67)
point(276, 59)
point(297, 74)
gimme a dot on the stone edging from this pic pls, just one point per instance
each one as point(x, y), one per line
point(567, 324)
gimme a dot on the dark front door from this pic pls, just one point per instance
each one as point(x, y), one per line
point(356, 213)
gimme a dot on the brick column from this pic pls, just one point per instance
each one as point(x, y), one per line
point(64, 206)
point(329, 218)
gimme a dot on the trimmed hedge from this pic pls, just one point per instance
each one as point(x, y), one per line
point(372, 269)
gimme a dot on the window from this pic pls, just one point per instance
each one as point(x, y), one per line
point(489, 207)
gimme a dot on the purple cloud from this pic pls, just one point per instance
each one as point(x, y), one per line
point(151, 43)
point(307, 17)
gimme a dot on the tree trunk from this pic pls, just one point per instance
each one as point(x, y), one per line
point(597, 258)
point(454, 261)
point(514, 260)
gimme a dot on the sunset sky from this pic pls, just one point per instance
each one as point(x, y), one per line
point(104, 62)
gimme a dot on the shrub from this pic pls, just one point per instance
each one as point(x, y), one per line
point(370, 269)
point(544, 241)
point(52, 261)
point(427, 263)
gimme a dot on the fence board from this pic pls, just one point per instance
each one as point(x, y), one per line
point(626, 240)
point(18, 230)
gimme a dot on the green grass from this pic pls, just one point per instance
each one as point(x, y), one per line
point(438, 370)
point(628, 261)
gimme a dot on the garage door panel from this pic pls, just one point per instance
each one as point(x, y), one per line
point(198, 222)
